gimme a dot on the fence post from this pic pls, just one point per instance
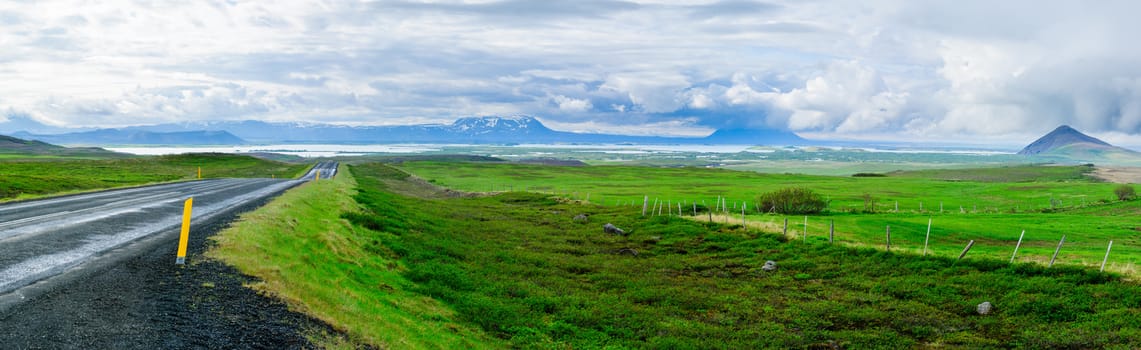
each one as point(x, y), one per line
point(1017, 245)
point(928, 239)
point(967, 249)
point(645, 203)
point(888, 238)
point(1106, 256)
point(831, 230)
point(743, 217)
point(805, 229)
point(786, 227)
point(1056, 250)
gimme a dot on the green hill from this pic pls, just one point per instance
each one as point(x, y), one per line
point(11, 147)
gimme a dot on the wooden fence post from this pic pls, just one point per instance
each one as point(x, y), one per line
point(1056, 250)
point(1106, 256)
point(805, 229)
point(831, 230)
point(888, 238)
point(743, 217)
point(928, 239)
point(786, 227)
point(967, 249)
point(1017, 245)
point(645, 203)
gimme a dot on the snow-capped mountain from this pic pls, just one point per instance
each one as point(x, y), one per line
point(493, 124)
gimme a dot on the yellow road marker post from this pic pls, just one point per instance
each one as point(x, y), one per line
point(318, 177)
point(199, 172)
point(184, 238)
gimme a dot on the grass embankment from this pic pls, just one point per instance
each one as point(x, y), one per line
point(990, 206)
point(305, 253)
point(519, 267)
point(26, 178)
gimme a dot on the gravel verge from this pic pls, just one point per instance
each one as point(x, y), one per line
point(142, 300)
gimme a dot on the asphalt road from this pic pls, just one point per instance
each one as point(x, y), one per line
point(97, 270)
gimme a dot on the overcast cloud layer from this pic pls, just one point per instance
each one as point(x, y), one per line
point(997, 71)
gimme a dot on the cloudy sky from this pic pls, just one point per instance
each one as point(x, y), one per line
point(987, 71)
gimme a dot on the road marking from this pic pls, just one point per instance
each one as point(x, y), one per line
point(33, 269)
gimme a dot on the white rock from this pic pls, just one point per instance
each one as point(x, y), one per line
point(985, 308)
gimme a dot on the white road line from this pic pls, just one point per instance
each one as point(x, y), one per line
point(43, 266)
point(44, 223)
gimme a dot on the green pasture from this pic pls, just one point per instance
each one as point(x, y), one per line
point(610, 185)
point(37, 176)
point(991, 206)
point(521, 269)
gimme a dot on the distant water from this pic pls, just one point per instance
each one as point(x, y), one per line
point(308, 151)
point(327, 150)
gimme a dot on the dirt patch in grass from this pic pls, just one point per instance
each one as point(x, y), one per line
point(1118, 174)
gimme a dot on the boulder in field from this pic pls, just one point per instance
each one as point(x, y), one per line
point(614, 230)
point(985, 308)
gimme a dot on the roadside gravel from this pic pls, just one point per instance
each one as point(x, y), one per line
point(145, 301)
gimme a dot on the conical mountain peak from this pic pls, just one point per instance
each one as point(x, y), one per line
point(1062, 136)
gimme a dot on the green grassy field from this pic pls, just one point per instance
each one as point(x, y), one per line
point(990, 206)
point(609, 185)
point(405, 264)
point(30, 177)
point(517, 265)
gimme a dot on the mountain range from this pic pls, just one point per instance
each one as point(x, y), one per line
point(137, 137)
point(469, 130)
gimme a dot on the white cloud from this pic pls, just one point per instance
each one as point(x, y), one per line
point(568, 104)
point(892, 67)
point(845, 97)
point(684, 127)
point(650, 92)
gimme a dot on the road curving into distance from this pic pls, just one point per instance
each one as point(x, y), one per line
point(42, 242)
